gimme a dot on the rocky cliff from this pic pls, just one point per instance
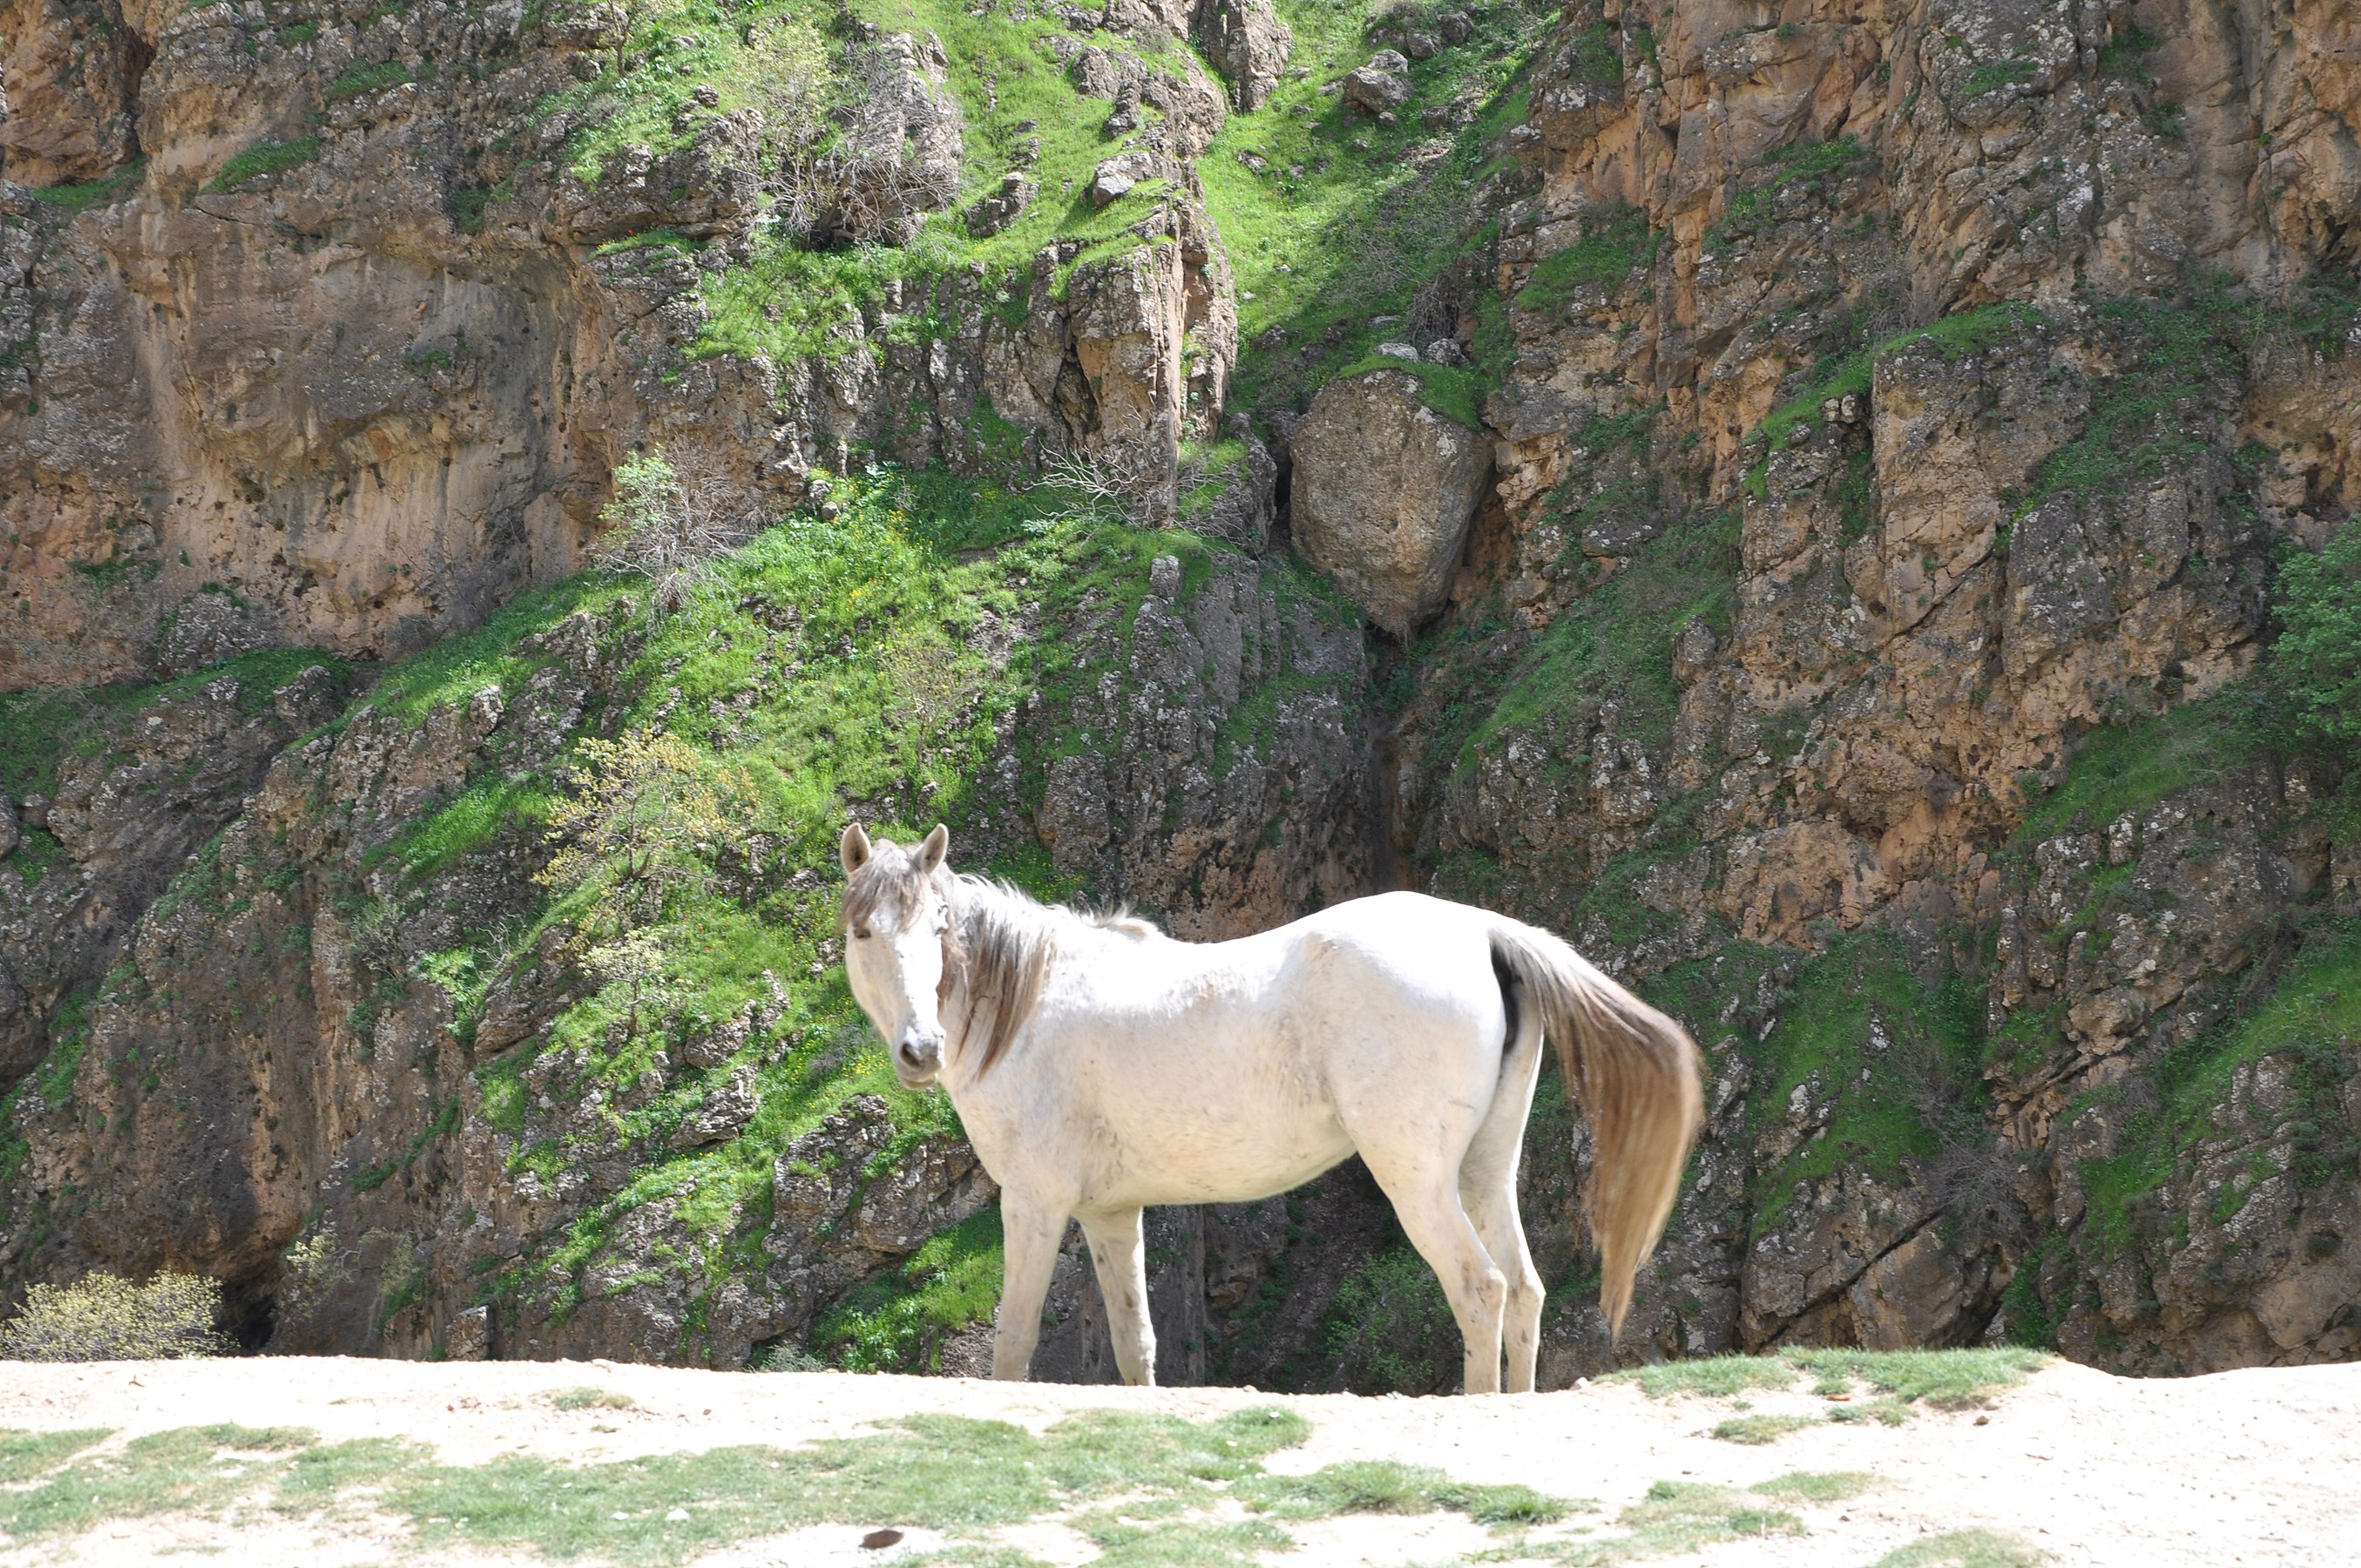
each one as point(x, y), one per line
point(1800, 498)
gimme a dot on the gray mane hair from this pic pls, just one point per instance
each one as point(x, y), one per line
point(1000, 942)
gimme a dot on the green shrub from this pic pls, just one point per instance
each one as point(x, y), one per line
point(102, 1318)
point(264, 157)
point(2318, 655)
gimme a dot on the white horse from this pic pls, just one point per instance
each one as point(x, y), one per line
point(1100, 1066)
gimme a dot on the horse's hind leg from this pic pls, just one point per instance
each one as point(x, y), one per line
point(1426, 1201)
point(1487, 1187)
point(1493, 1211)
point(1119, 1254)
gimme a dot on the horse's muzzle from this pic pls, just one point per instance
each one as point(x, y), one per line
point(920, 1056)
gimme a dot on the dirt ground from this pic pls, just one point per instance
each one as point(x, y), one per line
point(2241, 1467)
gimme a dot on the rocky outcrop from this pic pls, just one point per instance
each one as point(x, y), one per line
point(122, 813)
point(1383, 492)
point(1840, 596)
point(390, 388)
point(1248, 43)
point(366, 1124)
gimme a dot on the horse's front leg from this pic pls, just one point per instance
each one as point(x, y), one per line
point(1031, 1230)
point(1119, 1254)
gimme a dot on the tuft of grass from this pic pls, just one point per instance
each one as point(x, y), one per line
point(1966, 1549)
point(1967, 331)
point(1677, 1516)
point(264, 157)
point(25, 1455)
point(586, 1397)
point(1386, 1486)
point(79, 196)
point(1816, 1485)
point(358, 78)
point(1945, 1379)
point(1718, 1376)
point(1754, 1432)
point(1613, 244)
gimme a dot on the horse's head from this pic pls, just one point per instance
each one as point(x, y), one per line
point(897, 917)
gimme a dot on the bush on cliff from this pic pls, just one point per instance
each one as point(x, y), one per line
point(101, 1317)
point(2318, 655)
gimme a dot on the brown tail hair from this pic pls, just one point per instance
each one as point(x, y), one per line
point(1633, 1071)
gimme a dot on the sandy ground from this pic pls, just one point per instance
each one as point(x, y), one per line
point(2242, 1467)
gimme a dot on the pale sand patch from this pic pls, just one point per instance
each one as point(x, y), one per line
point(2240, 1467)
point(1386, 1541)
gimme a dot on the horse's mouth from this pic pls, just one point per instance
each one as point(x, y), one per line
point(915, 1080)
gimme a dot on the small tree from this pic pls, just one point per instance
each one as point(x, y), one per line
point(102, 1318)
point(668, 521)
point(642, 807)
point(634, 962)
point(2318, 655)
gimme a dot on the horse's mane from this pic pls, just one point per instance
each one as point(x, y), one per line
point(1000, 943)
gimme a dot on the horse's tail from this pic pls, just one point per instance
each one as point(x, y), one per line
point(1635, 1071)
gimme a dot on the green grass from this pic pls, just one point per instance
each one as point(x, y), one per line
point(1675, 1516)
point(1968, 332)
point(588, 1397)
point(1331, 233)
point(1753, 1432)
point(1387, 1487)
point(1615, 642)
point(360, 78)
point(79, 196)
point(1613, 246)
point(2131, 768)
point(898, 1321)
point(2311, 1021)
point(945, 1473)
point(25, 1455)
point(1718, 1376)
point(2153, 415)
point(1860, 985)
point(188, 1469)
point(1816, 1485)
point(38, 729)
point(1945, 1379)
point(265, 158)
point(1966, 1549)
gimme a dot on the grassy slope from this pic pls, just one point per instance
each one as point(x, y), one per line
point(808, 651)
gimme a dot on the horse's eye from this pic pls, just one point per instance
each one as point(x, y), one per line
point(860, 933)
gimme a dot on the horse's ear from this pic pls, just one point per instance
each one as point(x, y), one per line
point(931, 852)
point(853, 848)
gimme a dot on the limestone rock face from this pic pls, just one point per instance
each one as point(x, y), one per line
point(1248, 43)
point(1384, 491)
point(390, 388)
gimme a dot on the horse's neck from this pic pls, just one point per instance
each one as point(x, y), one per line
point(974, 901)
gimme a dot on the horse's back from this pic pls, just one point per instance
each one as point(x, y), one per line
point(1407, 940)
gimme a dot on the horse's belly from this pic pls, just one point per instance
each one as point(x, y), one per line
point(1235, 1156)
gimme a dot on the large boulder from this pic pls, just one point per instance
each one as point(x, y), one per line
point(1248, 43)
point(1384, 490)
point(1380, 86)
